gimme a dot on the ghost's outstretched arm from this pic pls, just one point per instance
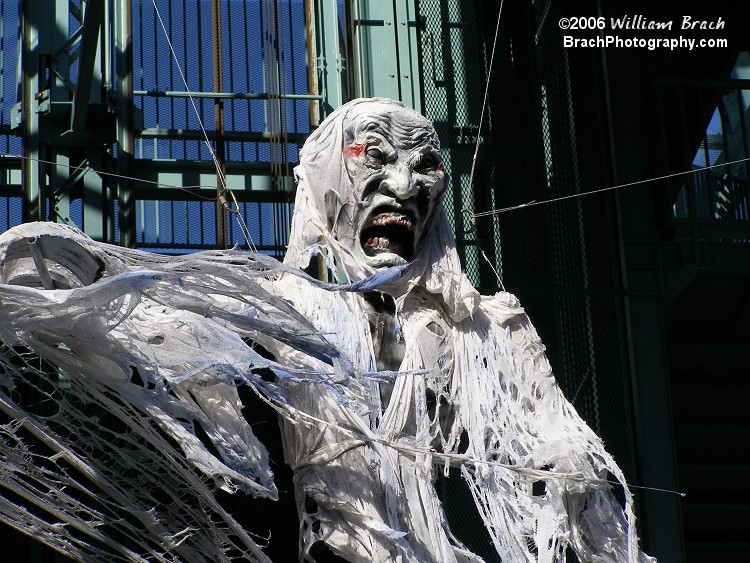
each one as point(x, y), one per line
point(545, 484)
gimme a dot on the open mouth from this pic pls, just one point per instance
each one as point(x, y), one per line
point(389, 231)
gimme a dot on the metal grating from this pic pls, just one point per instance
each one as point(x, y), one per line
point(544, 139)
point(266, 108)
point(10, 177)
point(714, 205)
point(561, 258)
point(267, 111)
point(454, 66)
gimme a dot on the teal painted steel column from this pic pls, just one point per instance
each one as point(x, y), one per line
point(124, 111)
point(329, 55)
point(95, 202)
point(375, 49)
point(57, 138)
point(408, 44)
point(95, 44)
point(87, 67)
point(59, 181)
point(32, 176)
point(385, 51)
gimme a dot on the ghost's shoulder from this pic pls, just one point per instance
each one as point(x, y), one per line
point(512, 330)
point(502, 307)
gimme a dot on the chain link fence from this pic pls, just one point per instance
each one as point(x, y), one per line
point(543, 137)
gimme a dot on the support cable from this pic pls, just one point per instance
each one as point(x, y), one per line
point(222, 178)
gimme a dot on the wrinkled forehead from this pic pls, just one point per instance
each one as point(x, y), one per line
point(403, 127)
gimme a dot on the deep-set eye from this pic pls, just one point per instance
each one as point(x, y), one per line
point(375, 153)
point(427, 164)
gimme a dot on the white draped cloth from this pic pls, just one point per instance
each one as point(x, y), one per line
point(162, 343)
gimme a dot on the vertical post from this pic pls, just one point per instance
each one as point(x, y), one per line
point(329, 55)
point(32, 176)
point(221, 215)
point(94, 199)
point(88, 69)
point(312, 75)
point(59, 192)
point(376, 53)
point(125, 141)
point(642, 288)
point(386, 57)
point(408, 46)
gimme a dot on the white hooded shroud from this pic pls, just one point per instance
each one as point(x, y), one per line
point(474, 391)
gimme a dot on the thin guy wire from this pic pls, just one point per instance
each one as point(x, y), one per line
point(617, 187)
point(241, 220)
point(113, 175)
point(480, 214)
point(484, 105)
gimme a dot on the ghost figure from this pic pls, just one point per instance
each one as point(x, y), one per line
point(385, 377)
point(472, 387)
point(377, 176)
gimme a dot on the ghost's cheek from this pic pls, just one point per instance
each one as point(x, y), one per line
point(365, 183)
point(358, 174)
point(437, 187)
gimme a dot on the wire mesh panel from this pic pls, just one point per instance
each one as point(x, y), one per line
point(561, 257)
point(10, 145)
point(264, 98)
point(260, 49)
point(455, 61)
point(543, 138)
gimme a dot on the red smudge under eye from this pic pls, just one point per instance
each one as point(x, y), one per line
point(354, 151)
point(440, 167)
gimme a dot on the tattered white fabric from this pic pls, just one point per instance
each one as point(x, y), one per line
point(120, 437)
point(474, 389)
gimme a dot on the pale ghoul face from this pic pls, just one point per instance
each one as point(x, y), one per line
point(392, 158)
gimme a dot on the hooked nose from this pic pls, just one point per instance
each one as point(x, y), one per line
point(400, 182)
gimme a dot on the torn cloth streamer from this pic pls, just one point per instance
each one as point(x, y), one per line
point(119, 377)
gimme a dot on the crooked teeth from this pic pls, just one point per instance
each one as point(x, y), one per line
point(391, 219)
point(380, 243)
point(383, 244)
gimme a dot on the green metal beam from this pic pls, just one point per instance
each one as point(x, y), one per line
point(95, 201)
point(385, 51)
point(61, 182)
point(172, 175)
point(329, 55)
point(125, 122)
point(407, 39)
point(92, 24)
point(198, 135)
point(33, 178)
point(224, 95)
